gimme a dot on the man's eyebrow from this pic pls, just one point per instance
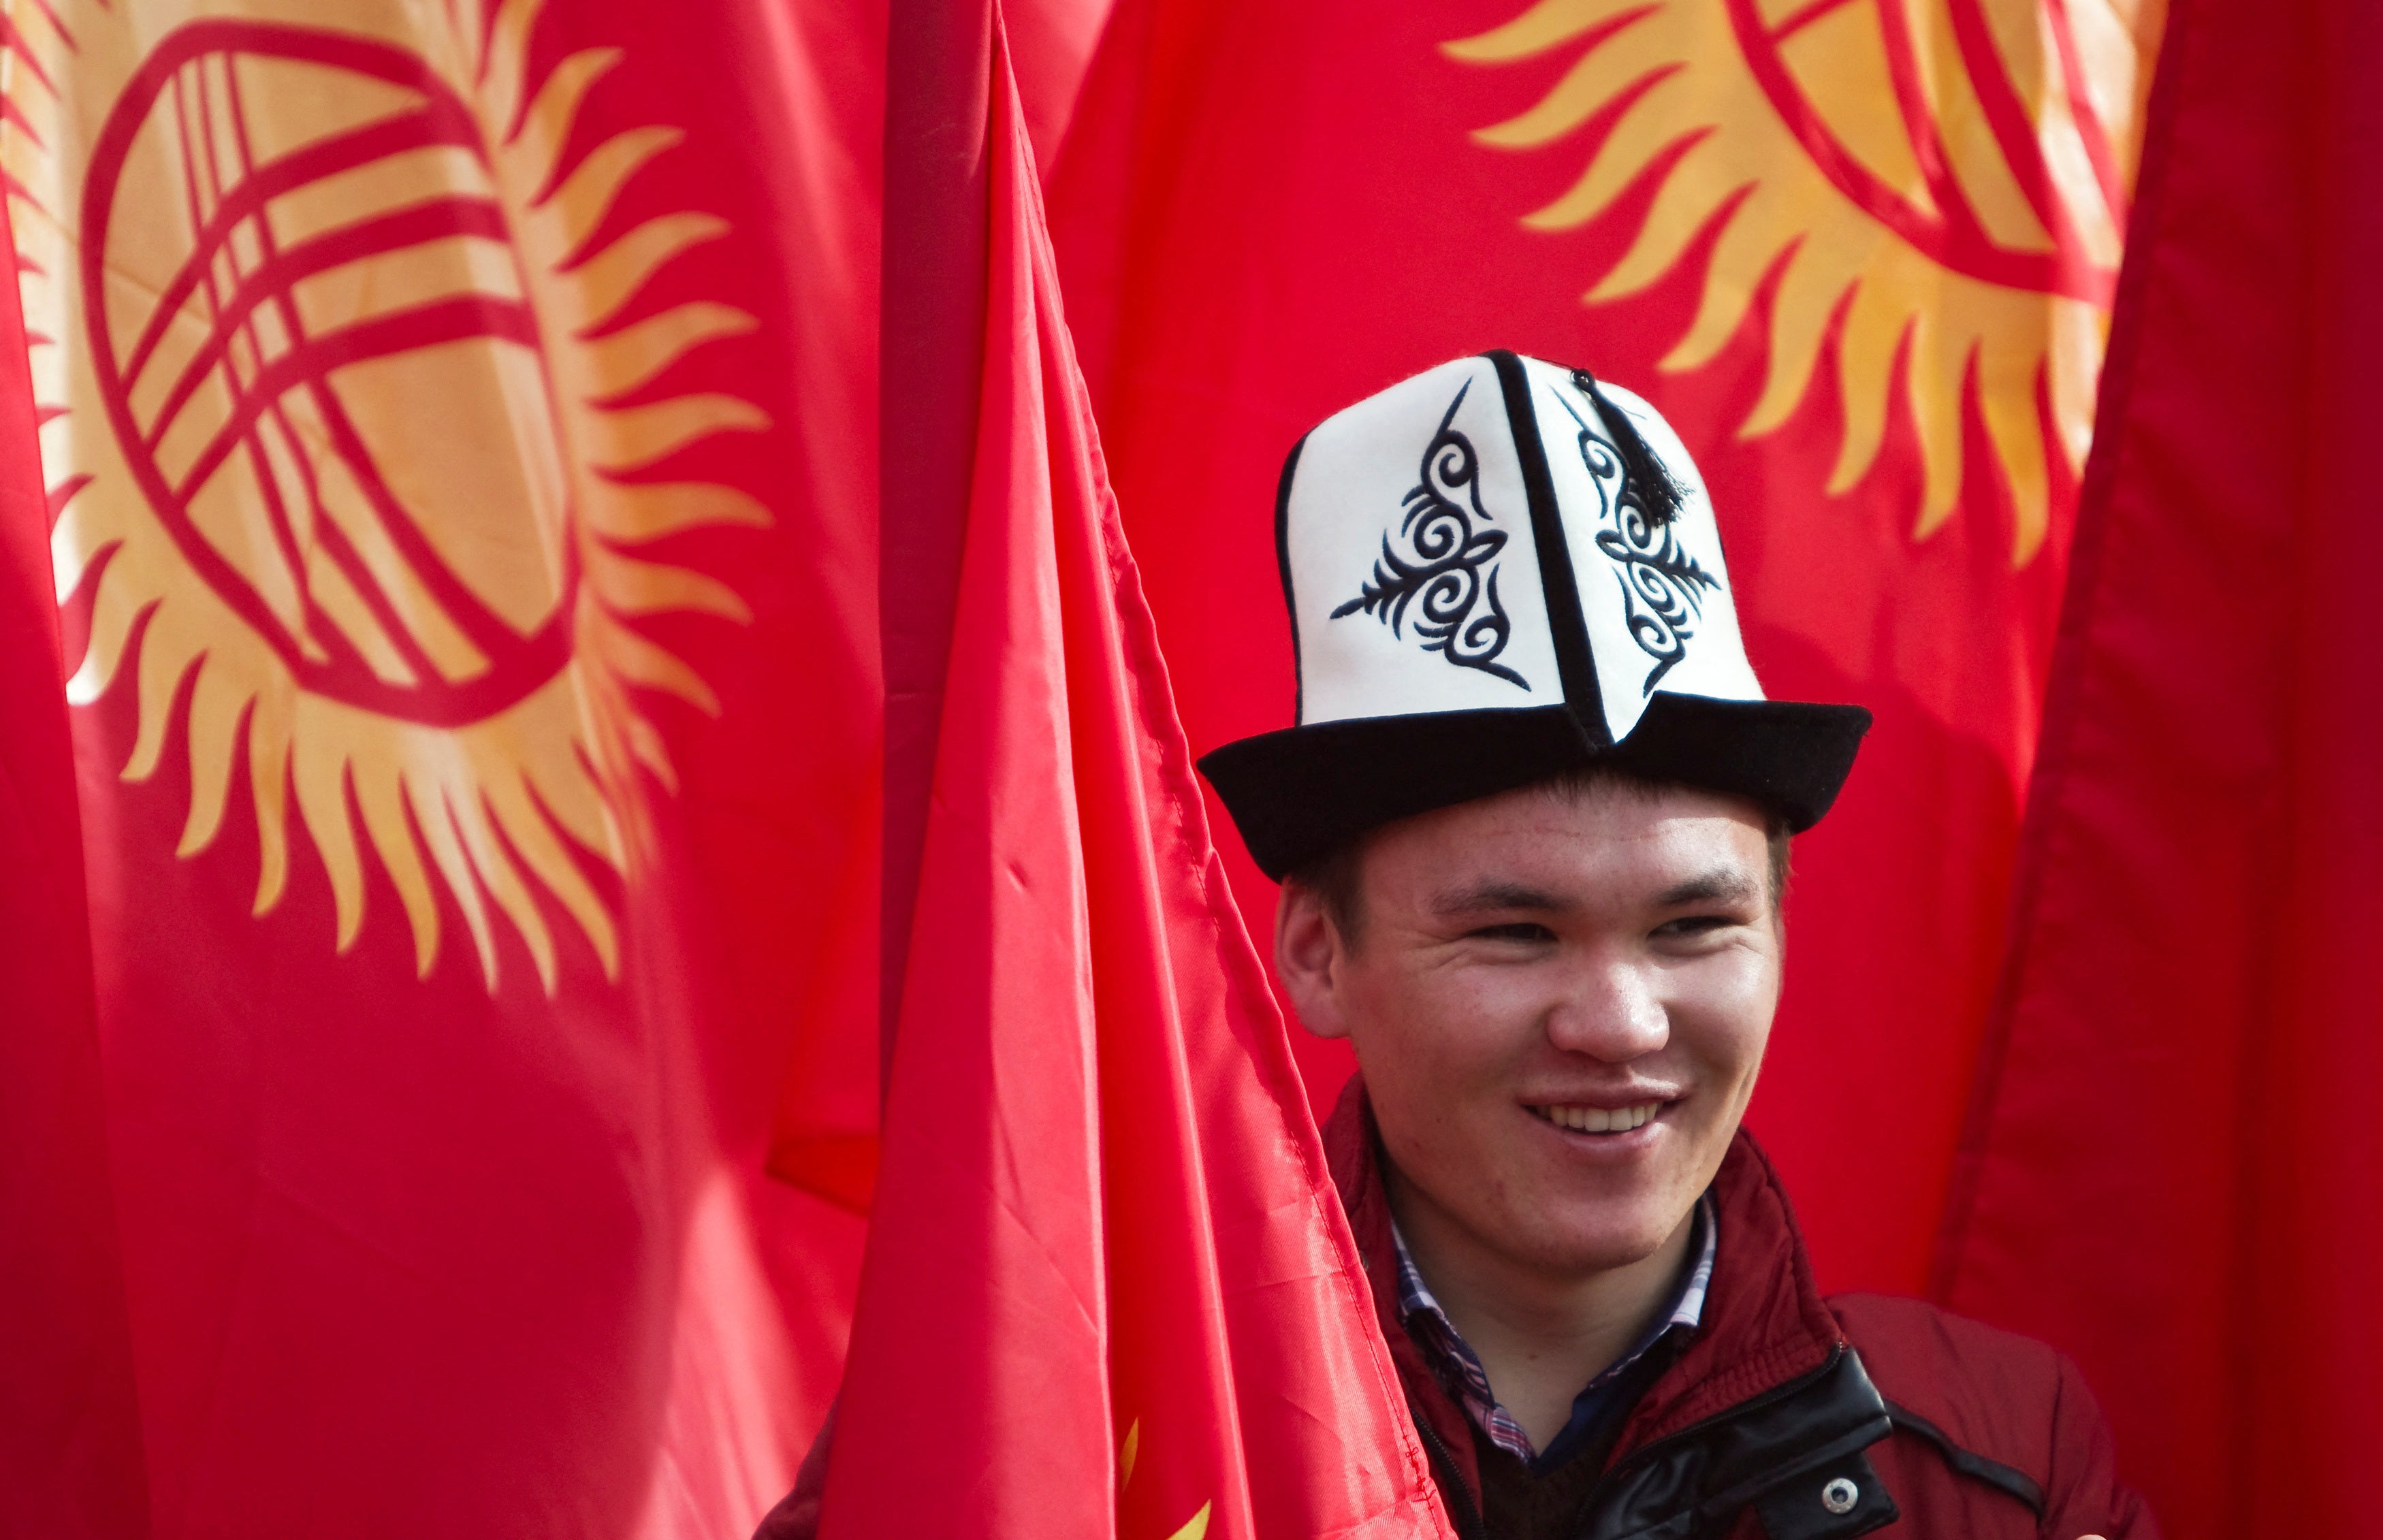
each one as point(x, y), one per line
point(1493, 895)
point(1721, 885)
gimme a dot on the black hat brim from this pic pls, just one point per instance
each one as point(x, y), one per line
point(1299, 793)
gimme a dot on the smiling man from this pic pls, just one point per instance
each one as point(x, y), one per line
point(1532, 828)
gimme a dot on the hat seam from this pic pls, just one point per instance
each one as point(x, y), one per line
point(1559, 584)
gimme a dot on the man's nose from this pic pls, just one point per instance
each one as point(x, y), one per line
point(1611, 1010)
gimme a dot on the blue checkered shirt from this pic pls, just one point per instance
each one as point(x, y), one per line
point(1459, 1370)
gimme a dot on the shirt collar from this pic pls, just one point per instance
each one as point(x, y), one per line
point(1458, 1368)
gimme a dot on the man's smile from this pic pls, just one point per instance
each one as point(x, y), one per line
point(1598, 1120)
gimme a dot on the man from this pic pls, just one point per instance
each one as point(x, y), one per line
point(1532, 827)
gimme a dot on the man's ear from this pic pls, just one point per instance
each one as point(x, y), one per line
point(1309, 957)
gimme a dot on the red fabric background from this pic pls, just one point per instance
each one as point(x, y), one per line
point(69, 1428)
point(2176, 1169)
point(411, 1257)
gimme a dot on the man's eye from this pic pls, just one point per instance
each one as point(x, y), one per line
point(1516, 932)
point(1695, 925)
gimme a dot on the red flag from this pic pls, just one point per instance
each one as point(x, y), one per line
point(2176, 1167)
point(70, 1430)
point(1108, 1289)
point(1858, 252)
point(457, 420)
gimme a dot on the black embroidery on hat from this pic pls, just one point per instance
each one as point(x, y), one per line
point(1462, 619)
point(1662, 586)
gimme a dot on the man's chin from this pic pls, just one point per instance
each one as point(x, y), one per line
point(1603, 1249)
point(1573, 1233)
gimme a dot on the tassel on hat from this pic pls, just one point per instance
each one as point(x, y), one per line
point(1660, 493)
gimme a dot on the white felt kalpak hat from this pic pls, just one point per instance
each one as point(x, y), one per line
point(1498, 572)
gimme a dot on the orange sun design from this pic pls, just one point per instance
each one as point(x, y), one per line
point(330, 359)
point(1940, 181)
point(1129, 1454)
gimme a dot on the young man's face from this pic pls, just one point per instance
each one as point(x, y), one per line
point(1533, 967)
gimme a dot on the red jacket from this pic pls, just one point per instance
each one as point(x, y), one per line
point(1940, 1427)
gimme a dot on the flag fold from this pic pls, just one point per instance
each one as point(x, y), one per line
point(2174, 1170)
point(1108, 1289)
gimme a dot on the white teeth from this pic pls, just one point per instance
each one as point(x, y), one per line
point(1598, 1120)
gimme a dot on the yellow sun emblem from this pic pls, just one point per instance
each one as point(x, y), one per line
point(1941, 180)
point(1129, 1452)
point(332, 367)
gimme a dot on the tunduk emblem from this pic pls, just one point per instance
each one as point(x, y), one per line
point(1926, 202)
point(354, 440)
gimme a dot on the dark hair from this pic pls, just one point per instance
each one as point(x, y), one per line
point(1333, 876)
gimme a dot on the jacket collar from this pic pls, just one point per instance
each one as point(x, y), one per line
point(1352, 1149)
point(1764, 1326)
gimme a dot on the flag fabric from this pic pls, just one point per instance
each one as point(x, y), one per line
point(2175, 1167)
point(1859, 253)
point(69, 1426)
point(1108, 1289)
point(456, 421)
